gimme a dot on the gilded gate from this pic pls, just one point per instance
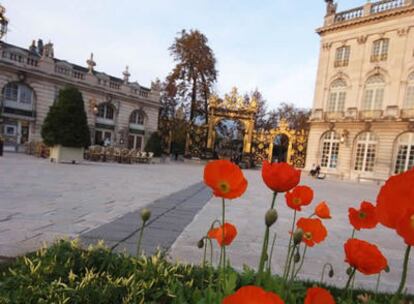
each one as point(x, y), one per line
point(258, 145)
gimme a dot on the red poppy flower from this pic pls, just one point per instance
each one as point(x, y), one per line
point(364, 218)
point(364, 256)
point(253, 295)
point(280, 177)
point(318, 295)
point(230, 233)
point(322, 210)
point(298, 197)
point(225, 179)
point(395, 198)
point(405, 227)
point(314, 231)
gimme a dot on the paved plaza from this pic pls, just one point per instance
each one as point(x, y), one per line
point(40, 201)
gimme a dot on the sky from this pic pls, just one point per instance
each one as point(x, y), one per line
point(270, 45)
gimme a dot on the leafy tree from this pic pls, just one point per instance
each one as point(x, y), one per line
point(66, 122)
point(168, 100)
point(195, 73)
point(154, 144)
point(261, 114)
point(297, 118)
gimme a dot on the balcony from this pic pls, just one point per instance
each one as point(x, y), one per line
point(378, 58)
point(317, 115)
point(341, 63)
point(334, 116)
point(407, 113)
point(370, 114)
point(351, 114)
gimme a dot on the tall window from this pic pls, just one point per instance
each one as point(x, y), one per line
point(337, 96)
point(18, 93)
point(380, 50)
point(366, 148)
point(105, 111)
point(409, 95)
point(330, 149)
point(342, 56)
point(137, 117)
point(374, 93)
point(405, 153)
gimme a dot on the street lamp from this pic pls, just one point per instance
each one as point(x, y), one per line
point(3, 22)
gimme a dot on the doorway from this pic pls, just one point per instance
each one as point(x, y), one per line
point(280, 148)
point(136, 142)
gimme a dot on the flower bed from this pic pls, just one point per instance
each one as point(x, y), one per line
point(66, 273)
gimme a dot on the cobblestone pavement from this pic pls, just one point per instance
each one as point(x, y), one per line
point(247, 213)
point(169, 216)
point(41, 201)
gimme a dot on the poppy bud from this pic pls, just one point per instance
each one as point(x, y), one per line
point(387, 269)
point(296, 258)
point(297, 236)
point(349, 271)
point(200, 244)
point(331, 273)
point(145, 214)
point(271, 217)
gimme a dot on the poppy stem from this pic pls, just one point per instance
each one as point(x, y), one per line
point(286, 270)
point(301, 262)
point(323, 270)
point(377, 286)
point(211, 252)
point(265, 244)
point(141, 233)
point(350, 279)
point(269, 262)
point(223, 247)
point(205, 254)
point(353, 234)
point(397, 295)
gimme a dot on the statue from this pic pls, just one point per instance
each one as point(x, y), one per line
point(48, 50)
point(330, 7)
point(91, 64)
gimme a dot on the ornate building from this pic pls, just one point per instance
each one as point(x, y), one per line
point(362, 124)
point(119, 111)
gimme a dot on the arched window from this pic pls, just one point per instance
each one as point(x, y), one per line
point(337, 96)
point(330, 149)
point(137, 117)
point(19, 93)
point(366, 149)
point(106, 111)
point(405, 153)
point(374, 93)
point(409, 95)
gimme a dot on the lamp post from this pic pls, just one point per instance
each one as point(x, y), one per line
point(3, 22)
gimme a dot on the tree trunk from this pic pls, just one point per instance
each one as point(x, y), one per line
point(206, 96)
point(193, 99)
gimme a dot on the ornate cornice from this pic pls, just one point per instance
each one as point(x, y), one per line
point(365, 20)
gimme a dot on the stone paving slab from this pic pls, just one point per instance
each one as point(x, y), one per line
point(247, 213)
point(41, 201)
point(169, 216)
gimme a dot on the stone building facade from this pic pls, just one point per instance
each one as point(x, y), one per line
point(119, 112)
point(362, 123)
